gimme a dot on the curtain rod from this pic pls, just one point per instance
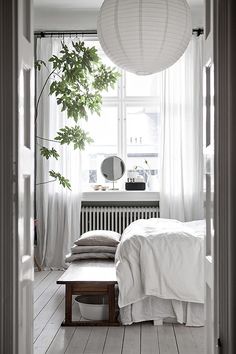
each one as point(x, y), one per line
point(42, 34)
point(52, 33)
point(199, 31)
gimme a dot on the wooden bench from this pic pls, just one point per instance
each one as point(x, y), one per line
point(90, 277)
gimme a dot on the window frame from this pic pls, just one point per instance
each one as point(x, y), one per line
point(122, 101)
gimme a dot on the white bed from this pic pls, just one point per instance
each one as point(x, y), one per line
point(160, 271)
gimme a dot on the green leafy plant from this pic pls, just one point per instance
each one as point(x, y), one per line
point(49, 152)
point(75, 135)
point(62, 180)
point(77, 79)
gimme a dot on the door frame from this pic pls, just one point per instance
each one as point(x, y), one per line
point(225, 168)
point(8, 177)
point(225, 165)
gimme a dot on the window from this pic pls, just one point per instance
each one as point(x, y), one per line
point(128, 126)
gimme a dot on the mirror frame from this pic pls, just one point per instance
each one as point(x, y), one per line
point(109, 157)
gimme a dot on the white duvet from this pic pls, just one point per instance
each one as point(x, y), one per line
point(163, 258)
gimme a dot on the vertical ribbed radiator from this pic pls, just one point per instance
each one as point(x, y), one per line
point(114, 218)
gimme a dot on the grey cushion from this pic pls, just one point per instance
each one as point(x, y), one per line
point(76, 257)
point(93, 249)
point(99, 238)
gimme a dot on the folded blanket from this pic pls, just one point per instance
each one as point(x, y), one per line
point(78, 256)
point(93, 249)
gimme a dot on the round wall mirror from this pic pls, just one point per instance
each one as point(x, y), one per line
point(113, 168)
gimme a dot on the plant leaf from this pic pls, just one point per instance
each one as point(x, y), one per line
point(61, 179)
point(49, 153)
point(38, 64)
point(73, 135)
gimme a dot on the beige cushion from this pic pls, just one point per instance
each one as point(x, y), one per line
point(99, 238)
point(77, 257)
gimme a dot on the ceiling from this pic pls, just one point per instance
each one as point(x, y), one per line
point(86, 4)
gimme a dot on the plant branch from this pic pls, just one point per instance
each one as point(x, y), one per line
point(55, 73)
point(53, 180)
point(54, 141)
point(58, 75)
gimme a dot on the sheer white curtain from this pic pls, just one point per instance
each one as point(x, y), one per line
point(181, 163)
point(57, 208)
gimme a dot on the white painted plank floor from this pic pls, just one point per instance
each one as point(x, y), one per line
point(142, 338)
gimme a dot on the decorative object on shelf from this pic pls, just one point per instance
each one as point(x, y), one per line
point(144, 36)
point(151, 179)
point(100, 187)
point(135, 186)
point(146, 174)
point(152, 182)
point(113, 168)
point(139, 178)
point(131, 176)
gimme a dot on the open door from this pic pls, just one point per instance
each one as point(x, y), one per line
point(209, 145)
point(25, 175)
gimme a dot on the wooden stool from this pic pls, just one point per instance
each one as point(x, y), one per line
point(90, 277)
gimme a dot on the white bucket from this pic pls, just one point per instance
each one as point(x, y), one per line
point(93, 307)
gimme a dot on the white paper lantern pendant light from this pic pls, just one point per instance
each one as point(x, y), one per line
point(144, 36)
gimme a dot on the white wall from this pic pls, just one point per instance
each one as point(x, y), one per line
point(75, 19)
point(197, 16)
point(64, 19)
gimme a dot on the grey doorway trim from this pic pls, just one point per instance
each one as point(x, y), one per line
point(225, 170)
point(8, 171)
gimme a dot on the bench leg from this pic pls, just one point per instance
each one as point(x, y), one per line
point(111, 301)
point(112, 321)
point(68, 305)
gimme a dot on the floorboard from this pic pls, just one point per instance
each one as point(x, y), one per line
point(96, 340)
point(114, 340)
point(141, 338)
point(39, 276)
point(45, 283)
point(167, 341)
point(198, 334)
point(149, 339)
point(47, 334)
point(187, 342)
point(79, 340)
point(64, 335)
point(131, 344)
point(46, 296)
point(61, 341)
point(45, 315)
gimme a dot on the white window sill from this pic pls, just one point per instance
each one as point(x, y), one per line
point(120, 195)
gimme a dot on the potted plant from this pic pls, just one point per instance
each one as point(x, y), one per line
point(77, 78)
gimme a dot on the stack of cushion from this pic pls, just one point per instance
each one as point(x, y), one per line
point(97, 244)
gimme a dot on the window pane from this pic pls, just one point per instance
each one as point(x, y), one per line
point(103, 130)
point(142, 85)
point(143, 139)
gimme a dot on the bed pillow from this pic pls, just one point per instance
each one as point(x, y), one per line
point(99, 238)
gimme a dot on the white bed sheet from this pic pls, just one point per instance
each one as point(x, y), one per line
point(160, 310)
point(160, 271)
